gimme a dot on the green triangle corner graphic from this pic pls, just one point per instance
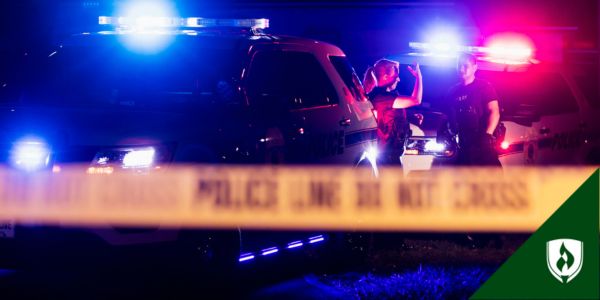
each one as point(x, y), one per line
point(534, 270)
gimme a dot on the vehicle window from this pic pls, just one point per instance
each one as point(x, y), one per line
point(294, 78)
point(104, 74)
point(349, 76)
point(532, 94)
point(588, 84)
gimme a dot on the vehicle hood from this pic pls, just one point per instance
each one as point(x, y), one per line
point(432, 121)
point(63, 127)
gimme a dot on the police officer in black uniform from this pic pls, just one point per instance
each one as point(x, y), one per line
point(392, 125)
point(473, 114)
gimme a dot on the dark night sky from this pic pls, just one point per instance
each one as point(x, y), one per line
point(358, 27)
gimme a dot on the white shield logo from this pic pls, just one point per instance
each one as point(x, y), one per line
point(564, 258)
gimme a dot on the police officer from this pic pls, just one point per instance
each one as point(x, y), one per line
point(474, 115)
point(392, 126)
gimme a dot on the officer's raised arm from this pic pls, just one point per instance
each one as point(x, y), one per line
point(417, 95)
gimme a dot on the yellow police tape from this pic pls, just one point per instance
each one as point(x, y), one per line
point(342, 198)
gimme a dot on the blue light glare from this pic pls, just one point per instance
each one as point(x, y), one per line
point(141, 36)
point(30, 155)
point(269, 251)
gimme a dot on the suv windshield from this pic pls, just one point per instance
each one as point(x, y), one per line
point(101, 72)
point(530, 95)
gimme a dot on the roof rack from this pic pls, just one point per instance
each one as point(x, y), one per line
point(177, 22)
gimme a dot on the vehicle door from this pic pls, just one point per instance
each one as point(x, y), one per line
point(361, 126)
point(297, 104)
point(545, 117)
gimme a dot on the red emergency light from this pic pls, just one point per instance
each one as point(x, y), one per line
point(508, 48)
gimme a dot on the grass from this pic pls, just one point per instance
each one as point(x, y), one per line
point(429, 267)
point(425, 282)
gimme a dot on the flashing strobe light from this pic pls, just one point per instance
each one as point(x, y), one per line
point(269, 251)
point(504, 145)
point(140, 24)
point(246, 257)
point(295, 244)
point(509, 48)
point(30, 155)
point(442, 41)
point(316, 239)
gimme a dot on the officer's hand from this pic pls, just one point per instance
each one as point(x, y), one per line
point(416, 71)
point(489, 140)
point(419, 118)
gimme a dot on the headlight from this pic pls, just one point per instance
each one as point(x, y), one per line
point(428, 146)
point(131, 158)
point(433, 146)
point(139, 158)
point(371, 154)
point(30, 155)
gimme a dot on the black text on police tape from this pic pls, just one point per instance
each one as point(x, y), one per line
point(238, 194)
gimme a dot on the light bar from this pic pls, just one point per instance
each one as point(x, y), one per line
point(272, 250)
point(269, 251)
point(446, 48)
point(174, 22)
point(316, 239)
point(244, 23)
point(246, 257)
point(511, 54)
point(295, 244)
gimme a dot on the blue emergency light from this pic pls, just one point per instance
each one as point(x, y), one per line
point(30, 155)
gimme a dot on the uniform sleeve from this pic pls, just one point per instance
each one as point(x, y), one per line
point(489, 93)
point(450, 111)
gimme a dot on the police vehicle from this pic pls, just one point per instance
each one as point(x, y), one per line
point(151, 91)
point(546, 116)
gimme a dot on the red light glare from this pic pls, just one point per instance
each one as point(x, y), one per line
point(509, 48)
point(504, 145)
